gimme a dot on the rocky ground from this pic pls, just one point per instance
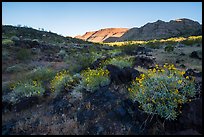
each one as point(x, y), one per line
point(108, 110)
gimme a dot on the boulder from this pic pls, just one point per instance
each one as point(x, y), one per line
point(115, 73)
point(182, 66)
point(198, 45)
point(26, 103)
point(177, 61)
point(97, 63)
point(124, 75)
point(128, 74)
point(143, 61)
point(182, 54)
point(191, 72)
point(191, 117)
point(194, 54)
point(6, 106)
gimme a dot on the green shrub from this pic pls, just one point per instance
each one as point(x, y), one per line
point(62, 53)
point(15, 38)
point(25, 89)
point(5, 54)
point(41, 74)
point(169, 48)
point(7, 42)
point(119, 61)
point(114, 52)
point(92, 79)
point(94, 56)
point(154, 44)
point(24, 54)
point(162, 91)
point(15, 68)
point(6, 87)
point(79, 61)
point(128, 49)
point(63, 81)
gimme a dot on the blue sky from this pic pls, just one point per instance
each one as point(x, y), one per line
point(73, 18)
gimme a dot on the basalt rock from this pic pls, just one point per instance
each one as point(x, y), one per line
point(124, 75)
point(194, 54)
point(26, 103)
point(143, 61)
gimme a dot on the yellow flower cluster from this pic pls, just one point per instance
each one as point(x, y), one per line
point(34, 83)
point(58, 78)
point(161, 87)
point(14, 85)
point(170, 66)
point(93, 78)
point(25, 89)
point(91, 73)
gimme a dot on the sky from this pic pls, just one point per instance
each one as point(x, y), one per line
point(76, 18)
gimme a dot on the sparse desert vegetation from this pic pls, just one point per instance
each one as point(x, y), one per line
point(57, 85)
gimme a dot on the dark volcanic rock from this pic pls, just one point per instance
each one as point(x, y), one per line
point(191, 72)
point(96, 129)
point(183, 66)
point(191, 117)
point(177, 61)
point(187, 132)
point(61, 105)
point(85, 115)
point(143, 50)
point(143, 61)
point(194, 54)
point(7, 127)
point(6, 106)
point(182, 54)
point(97, 63)
point(115, 73)
point(129, 74)
point(120, 111)
point(130, 106)
point(102, 100)
point(198, 45)
point(124, 75)
point(26, 103)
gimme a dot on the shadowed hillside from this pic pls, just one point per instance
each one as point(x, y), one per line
point(25, 33)
point(161, 29)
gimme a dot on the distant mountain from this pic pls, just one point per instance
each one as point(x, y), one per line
point(160, 29)
point(9, 31)
point(156, 30)
point(103, 34)
point(86, 35)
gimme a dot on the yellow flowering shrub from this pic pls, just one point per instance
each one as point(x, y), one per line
point(63, 79)
point(162, 90)
point(92, 79)
point(25, 89)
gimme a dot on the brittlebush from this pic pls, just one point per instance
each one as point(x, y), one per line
point(163, 90)
point(92, 79)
